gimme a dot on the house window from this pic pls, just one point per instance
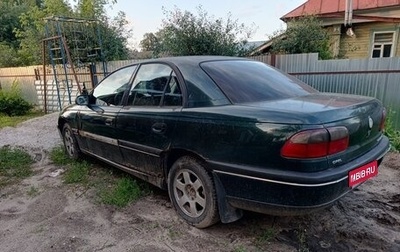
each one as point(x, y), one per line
point(383, 45)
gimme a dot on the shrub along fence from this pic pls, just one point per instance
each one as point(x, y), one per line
point(378, 77)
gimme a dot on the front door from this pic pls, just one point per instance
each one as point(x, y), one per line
point(148, 121)
point(97, 122)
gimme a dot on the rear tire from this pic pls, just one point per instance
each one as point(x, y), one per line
point(70, 143)
point(192, 192)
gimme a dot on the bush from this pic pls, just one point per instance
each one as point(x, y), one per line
point(303, 35)
point(12, 103)
point(391, 132)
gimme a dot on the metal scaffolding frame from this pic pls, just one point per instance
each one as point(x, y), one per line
point(71, 43)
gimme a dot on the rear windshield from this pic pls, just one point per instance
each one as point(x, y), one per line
point(252, 81)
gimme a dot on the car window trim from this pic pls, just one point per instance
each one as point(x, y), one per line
point(131, 79)
point(175, 70)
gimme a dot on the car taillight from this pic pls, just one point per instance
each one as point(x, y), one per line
point(316, 143)
point(383, 119)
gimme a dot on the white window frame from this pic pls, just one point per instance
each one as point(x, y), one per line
point(393, 43)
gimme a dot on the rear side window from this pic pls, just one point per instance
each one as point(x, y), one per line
point(252, 81)
point(155, 85)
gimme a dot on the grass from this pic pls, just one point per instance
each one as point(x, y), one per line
point(125, 191)
point(240, 248)
point(76, 172)
point(33, 192)
point(265, 235)
point(58, 156)
point(113, 188)
point(12, 121)
point(301, 234)
point(391, 132)
point(15, 164)
point(174, 234)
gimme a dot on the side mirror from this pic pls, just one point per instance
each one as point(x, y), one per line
point(82, 100)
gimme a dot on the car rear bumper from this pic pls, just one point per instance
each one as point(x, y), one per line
point(289, 192)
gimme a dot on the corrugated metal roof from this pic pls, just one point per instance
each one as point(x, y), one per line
point(321, 7)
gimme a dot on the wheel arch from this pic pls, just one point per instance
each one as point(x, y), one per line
point(176, 153)
point(61, 122)
point(227, 213)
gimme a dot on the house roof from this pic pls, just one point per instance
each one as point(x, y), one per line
point(265, 46)
point(254, 44)
point(323, 7)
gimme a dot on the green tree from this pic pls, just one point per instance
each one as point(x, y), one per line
point(115, 34)
point(303, 35)
point(9, 57)
point(184, 33)
point(22, 28)
point(149, 42)
point(31, 32)
point(9, 43)
point(93, 9)
point(9, 13)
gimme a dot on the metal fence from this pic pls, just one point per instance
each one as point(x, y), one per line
point(378, 78)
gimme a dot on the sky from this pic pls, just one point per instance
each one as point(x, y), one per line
point(264, 15)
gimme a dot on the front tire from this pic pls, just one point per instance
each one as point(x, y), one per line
point(192, 192)
point(70, 143)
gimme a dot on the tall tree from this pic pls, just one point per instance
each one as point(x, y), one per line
point(22, 28)
point(10, 12)
point(94, 9)
point(149, 42)
point(114, 32)
point(115, 36)
point(31, 32)
point(303, 35)
point(9, 57)
point(184, 33)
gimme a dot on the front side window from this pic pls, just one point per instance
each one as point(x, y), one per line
point(382, 45)
point(155, 85)
point(111, 90)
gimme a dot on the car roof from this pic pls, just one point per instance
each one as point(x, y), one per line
point(191, 60)
point(196, 79)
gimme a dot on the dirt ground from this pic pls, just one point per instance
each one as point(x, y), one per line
point(60, 217)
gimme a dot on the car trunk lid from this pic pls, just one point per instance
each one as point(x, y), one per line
point(362, 116)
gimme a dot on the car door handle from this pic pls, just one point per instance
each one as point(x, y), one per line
point(108, 122)
point(159, 128)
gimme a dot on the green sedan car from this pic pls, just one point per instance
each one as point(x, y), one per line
point(225, 134)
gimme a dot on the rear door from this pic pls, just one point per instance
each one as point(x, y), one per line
point(148, 122)
point(97, 123)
